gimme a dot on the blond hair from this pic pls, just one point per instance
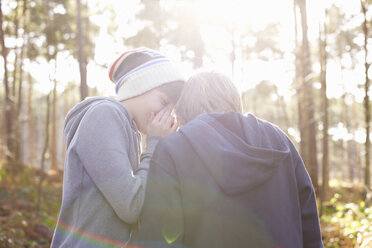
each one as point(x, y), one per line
point(207, 92)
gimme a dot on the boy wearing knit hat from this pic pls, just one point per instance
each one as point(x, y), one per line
point(105, 172)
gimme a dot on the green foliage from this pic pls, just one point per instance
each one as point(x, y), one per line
point(352, 221)
point(341, 40)
point(53, 24)
point(264, 101)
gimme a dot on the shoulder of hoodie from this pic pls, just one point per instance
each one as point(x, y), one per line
point(273, 127)
point(282, 135)
point(107, 105)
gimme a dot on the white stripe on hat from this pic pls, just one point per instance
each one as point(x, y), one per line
point(139, 68)
point(148, 79)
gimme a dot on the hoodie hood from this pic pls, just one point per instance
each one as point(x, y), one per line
point(76, 114)
point(240, 152)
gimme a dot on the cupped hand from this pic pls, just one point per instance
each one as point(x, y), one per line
point(162, 123)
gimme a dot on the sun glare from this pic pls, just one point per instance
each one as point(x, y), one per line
point(222, 24)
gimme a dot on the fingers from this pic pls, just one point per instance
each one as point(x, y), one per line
point(160, 115)
point(166, 115)
point(162, 123)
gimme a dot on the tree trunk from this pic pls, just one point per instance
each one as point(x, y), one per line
point(324, 108)
point(65, 111)
point(351, 160)
point(45, 149)
point(310, 156)
point(367, 109)
point(3, 134)
point(355, 150)
point(8, 102)
point(16, 34)
point(346, 144)
point(19, 65)
point(299, 87)
point(31, 144)
point(81, 55)
point(358, 163)
point(53, 148)
point(297, 80)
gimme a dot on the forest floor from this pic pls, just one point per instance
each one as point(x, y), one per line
point(28, 221)
point(24, 220)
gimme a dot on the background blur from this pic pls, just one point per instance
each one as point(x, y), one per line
point(303, 65)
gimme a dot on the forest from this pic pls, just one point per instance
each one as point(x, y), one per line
point(302, 65)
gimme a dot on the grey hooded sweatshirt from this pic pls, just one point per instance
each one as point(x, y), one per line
point(104, 176)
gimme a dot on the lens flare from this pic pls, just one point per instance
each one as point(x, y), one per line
point(169, 237)
point(90, 238)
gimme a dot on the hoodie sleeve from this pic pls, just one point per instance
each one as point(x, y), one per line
point(102, 146)
point(162, 215)
point(309, 211)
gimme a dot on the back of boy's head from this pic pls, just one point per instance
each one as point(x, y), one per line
point(138, 71)
point(207, 92)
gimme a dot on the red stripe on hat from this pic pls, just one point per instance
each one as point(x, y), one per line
point(118, 59)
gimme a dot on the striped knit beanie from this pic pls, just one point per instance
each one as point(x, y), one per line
point(137, 71)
